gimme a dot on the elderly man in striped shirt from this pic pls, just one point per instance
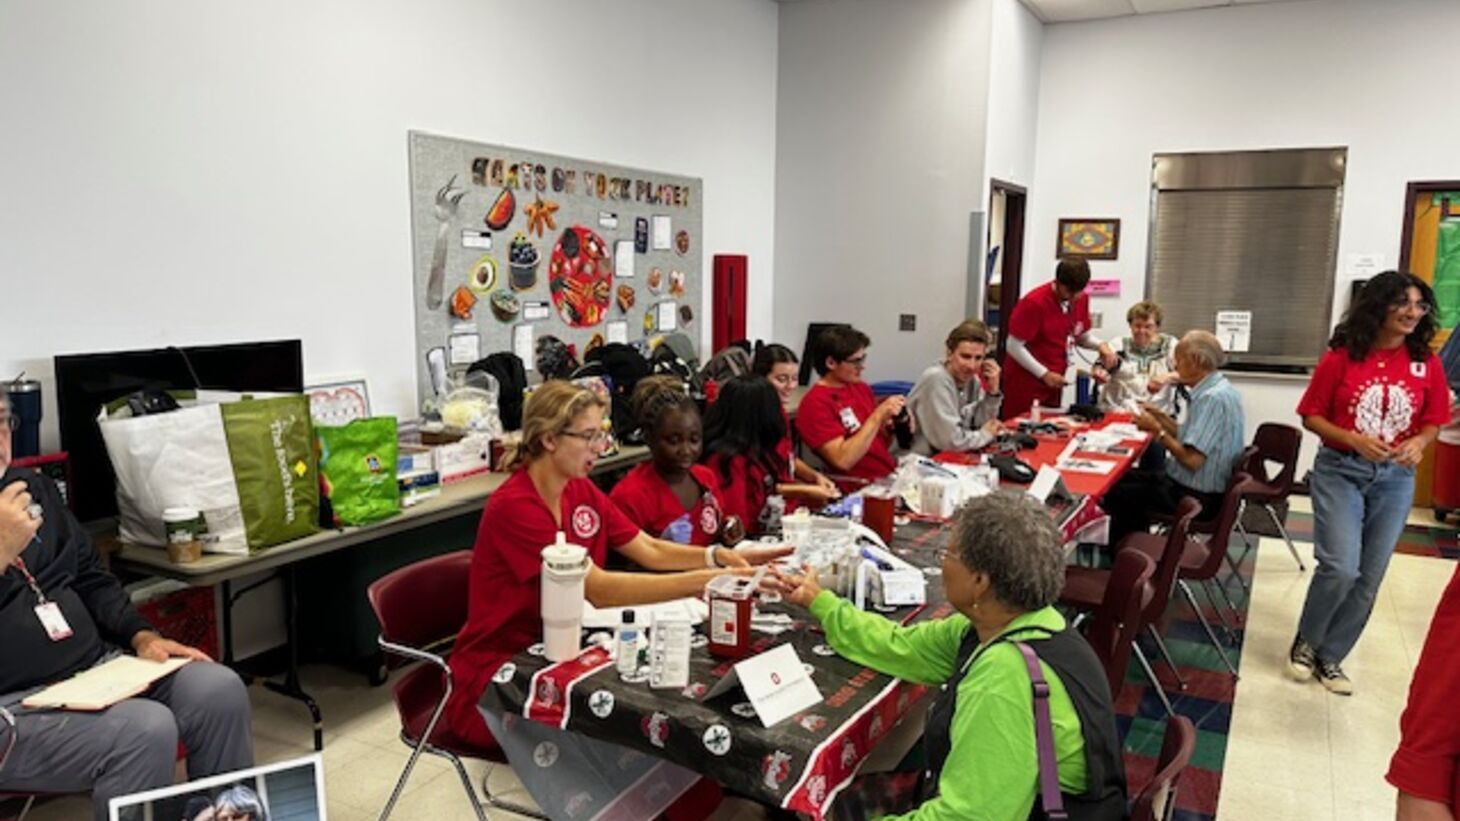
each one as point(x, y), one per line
point(1203, 449)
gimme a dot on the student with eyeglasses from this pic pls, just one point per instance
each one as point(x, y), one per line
point(549, 492)
point(1377, 399)
point(840, 419)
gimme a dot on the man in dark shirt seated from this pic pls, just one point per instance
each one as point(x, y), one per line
point(61, 613)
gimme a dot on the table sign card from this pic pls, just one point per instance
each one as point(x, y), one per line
point(777, 684)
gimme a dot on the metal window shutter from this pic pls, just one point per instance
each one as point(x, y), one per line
point(1270, 251)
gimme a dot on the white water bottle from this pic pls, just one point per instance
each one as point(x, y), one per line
point(1034, 412)
point(564, 567)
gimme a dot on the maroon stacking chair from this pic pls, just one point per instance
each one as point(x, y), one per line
point(1157, 800)
point(421, 607)
point(1114, 623)
point(1276, 444)
point(1086, 588)
point(1201, 560)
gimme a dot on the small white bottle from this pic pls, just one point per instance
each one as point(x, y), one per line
point(627, 649)
point(1034, 412)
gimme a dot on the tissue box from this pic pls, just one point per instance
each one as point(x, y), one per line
point(414, 459)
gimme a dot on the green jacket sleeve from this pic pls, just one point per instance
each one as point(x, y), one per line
point(923, 653)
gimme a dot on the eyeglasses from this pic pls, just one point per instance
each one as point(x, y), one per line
point(1421, 308)
point(594, 438)
point(857, 361)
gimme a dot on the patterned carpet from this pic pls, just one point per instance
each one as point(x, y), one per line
point(1207, 701)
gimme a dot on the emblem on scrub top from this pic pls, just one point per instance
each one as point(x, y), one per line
point(586, 522)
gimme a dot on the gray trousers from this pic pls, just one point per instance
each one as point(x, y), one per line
point(132, 746)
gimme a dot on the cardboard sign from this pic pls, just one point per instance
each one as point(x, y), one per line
point(777, 684)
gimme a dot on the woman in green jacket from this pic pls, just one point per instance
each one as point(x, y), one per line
point(1002, 571)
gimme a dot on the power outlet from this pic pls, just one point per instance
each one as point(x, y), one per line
point(907, 322)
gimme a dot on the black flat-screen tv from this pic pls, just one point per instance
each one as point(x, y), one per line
point(86, 382)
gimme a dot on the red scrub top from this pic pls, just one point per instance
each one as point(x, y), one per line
point(1388, 395)
point(827, 413)
point(504, 612)
point(749, 484)
point(1427, 763)
point(648, 501)
point(1047, 330)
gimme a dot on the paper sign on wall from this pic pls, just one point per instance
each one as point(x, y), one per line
point(667, 316)
point(1234, 330)
point(1364, 266)
point(662, 231)
point(536, 311)
point(464, 349)
point(522, 344)
point(618, 332)
point(623, 258)
point(1103, 287)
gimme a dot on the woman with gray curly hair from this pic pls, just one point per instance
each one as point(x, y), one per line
point(239, 803)
point(1002, 572)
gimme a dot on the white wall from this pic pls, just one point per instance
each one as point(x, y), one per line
point(188, 172)
point(1015, 50)
point(1302, 74)
point(880, 147)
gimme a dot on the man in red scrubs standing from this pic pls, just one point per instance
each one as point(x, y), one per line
point(1041, 328)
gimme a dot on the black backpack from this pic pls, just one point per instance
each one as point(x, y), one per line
point(729, 363)
point(623, 366)
point(506, 368)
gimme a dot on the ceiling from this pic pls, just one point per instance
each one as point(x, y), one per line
point(1066, 11)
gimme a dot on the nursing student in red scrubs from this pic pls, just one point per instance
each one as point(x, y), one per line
point(671, 496)
point(840, 419)
point(779, 365)
point(1042, 327)
point(548, 492)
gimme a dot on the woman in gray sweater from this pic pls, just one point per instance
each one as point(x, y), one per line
point(955, 403)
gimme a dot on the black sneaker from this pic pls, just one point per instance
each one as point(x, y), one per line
point(1332, 677)
point(1302, 660)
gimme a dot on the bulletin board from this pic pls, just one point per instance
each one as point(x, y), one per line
point(511, 245)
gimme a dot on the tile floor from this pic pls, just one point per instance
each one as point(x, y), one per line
point(1295, 752)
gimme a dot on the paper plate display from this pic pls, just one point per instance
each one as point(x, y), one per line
point(686, 315)
point(502, 210)
point(522, 259)
point(505, 304)
point(580, 277)
point(676, 284)
point(462, 301)
point(483, 275)
point(625, 296)
point(681, 242)
point(655, 280)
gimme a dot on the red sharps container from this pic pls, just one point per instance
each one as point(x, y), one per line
point(731, 600)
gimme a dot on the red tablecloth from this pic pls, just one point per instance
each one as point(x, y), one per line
point(1050, 447)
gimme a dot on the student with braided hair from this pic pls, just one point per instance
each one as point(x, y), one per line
point(671, 496)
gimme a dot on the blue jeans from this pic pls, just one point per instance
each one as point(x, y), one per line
point(1359, 510)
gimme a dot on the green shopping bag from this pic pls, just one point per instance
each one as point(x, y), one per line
point(271, 446)
point(357, 464)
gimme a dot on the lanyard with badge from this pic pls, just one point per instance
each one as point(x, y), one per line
point(49, 613)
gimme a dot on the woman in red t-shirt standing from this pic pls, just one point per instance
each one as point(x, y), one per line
point(840, 419)
point(1377, 399)
point(549, 492)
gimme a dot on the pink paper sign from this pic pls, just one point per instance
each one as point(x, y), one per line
point(1103, 287)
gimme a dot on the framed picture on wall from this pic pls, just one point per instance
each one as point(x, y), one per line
point(1088, 237)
